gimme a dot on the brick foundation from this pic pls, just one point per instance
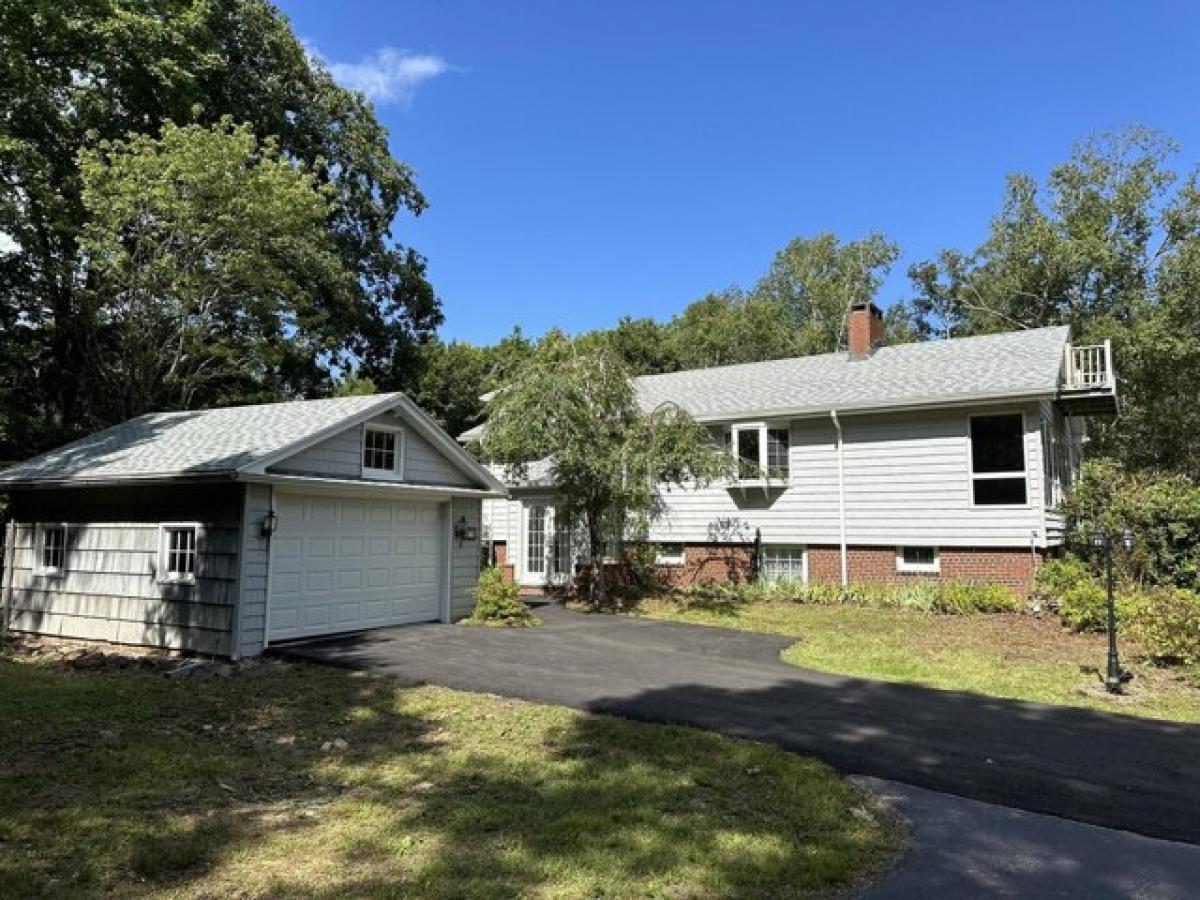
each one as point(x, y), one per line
point(500, 554)
point(710, 564)
point(1012, 567)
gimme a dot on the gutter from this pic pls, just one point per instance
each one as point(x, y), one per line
point(841, 458)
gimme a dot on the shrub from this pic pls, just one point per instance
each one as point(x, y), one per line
point(1167, 625)
point(1163, 509)
point(498, 602)
point(1069, 587)
point(953, 598)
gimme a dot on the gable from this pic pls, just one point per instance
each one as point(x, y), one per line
point(340, 456)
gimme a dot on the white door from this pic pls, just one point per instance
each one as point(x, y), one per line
point(548, 557)
point(345, 564)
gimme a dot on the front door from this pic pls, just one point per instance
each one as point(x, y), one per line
point(547, 558)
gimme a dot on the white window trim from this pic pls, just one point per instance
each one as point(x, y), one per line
point(972, 477)
point(930, 568)
point(803, 548)
point(164, 529)
point(670, 559)
point(394, 474)
point(39, 546)
point(763, 428)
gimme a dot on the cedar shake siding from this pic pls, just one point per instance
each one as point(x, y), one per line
point(109, 588)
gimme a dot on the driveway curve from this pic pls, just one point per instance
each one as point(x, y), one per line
point(1116, 771)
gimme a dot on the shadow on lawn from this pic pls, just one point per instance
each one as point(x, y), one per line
point(128, 786)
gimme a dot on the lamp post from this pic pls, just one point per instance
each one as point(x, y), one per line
point(1103, 540)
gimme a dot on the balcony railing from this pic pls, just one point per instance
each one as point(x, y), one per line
point(1088, 368)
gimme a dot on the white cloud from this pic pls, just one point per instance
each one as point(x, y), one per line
point(388, 75)
point(8, 244)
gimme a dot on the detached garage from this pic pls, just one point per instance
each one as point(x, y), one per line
point(225, 530)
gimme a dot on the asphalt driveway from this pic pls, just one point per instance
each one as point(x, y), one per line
point(1115, 771)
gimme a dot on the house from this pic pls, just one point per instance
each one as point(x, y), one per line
point(943, 459)
point(226, 530)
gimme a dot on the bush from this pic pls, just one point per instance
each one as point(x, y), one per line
point(1163, 509)
point(950, 597)
point(1167, 625)
point(498, 602)
point(1069, 587)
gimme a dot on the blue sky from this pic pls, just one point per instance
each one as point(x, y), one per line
point(586, 160)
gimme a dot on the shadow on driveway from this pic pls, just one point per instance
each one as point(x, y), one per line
point(1111, 770)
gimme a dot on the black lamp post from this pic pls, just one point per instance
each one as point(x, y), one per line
point(1103, 540)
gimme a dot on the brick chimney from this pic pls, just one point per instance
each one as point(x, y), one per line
point(865, 329)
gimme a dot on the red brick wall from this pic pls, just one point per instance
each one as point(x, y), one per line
point(500, 550)
point(1013, 567)
point(710, 564)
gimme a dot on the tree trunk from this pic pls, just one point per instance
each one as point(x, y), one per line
point(596, 587)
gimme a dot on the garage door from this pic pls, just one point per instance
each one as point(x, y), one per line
point(341, 564)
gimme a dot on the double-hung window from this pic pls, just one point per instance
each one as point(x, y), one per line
point(177, 545)
point(998, 476)
point(50, 548)
point(382, 452)
point(760, 452)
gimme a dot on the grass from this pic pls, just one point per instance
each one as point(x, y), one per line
point(1012, 656)
point(133, 784)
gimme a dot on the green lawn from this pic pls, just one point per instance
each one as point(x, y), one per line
point(1013, 656)
point(130, 783)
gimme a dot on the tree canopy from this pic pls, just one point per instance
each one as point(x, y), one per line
point(577, 406)
point(75, 74)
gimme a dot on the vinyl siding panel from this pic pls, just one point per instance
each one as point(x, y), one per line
point(109, 589)
point(907, 480)
point(340, 456)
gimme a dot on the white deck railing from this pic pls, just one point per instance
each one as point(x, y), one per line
point(1088, 368)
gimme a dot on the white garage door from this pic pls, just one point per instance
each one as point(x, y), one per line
point(340, 564)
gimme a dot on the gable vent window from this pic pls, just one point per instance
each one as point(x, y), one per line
point(51, 549)
point(998, 460)
point(177, 553)
point(382, 451)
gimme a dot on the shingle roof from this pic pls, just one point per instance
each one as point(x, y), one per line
point(200, 442)
point(1013, 364)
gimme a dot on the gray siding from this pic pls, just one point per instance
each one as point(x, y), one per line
point(907, 480)
point(340, 456)
point(464, 563)
point(252, 615)
point(109, 589)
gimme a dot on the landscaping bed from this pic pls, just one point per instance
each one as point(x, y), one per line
point(289, 780)
point(1001, 654)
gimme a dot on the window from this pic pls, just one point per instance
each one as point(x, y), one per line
point(777, 454)
point(669, 555)
point(177, 553)
point(383, 451)
point(760, 452)
point(917, 559)
point(535, 540)
point(998, 460)
point(748, 445)
point(51, 549)
point(782, 563)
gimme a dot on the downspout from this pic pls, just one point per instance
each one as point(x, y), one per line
point(841, 459)
point(6, 592)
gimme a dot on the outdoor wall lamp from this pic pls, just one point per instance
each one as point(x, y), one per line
point(1102, 540)
point(465, 532)
point(269, 523)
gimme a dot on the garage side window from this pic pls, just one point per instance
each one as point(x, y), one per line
point(383, 452)
point(177, 545)
point(998, 460)
point(50, 548)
